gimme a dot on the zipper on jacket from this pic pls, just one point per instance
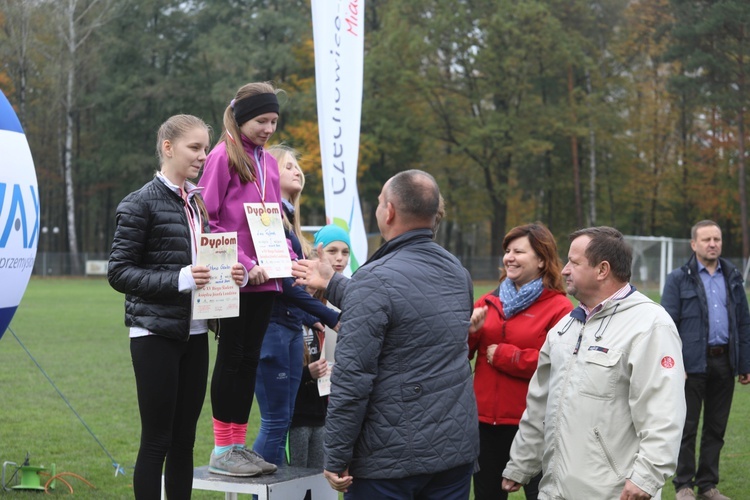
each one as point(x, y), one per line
point(563, 391)
point(607, 454)
point(494, 306)
point(580, 338)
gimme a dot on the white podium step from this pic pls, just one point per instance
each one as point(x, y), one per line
point(288, 483)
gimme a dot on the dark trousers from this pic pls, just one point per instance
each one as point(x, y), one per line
point(494, 453)
point(170, 378)
point(240, 340)
point(713, 390)
point(453, 483)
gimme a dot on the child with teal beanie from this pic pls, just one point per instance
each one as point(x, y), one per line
point(336, 246)
point(330, 233)
point(306, 432)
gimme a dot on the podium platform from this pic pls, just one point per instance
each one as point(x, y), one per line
point(287, 483)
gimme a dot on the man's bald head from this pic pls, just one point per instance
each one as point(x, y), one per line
point(415, 196)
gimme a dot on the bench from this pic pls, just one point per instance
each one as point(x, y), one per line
point(288, 483)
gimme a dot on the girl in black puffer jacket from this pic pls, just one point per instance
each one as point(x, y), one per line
point(152, 261)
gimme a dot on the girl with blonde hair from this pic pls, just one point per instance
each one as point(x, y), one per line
point(281, 357)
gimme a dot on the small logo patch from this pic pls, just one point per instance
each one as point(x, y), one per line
point(667, 362)
point(598, 348)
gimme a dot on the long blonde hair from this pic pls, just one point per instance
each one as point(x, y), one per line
point(284, 154)
point(239, 161)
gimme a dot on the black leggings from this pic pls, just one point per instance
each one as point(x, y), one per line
point(240, 340)
point(494, 453)
point(170, 378)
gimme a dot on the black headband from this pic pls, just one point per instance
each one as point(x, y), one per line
point(248, 108)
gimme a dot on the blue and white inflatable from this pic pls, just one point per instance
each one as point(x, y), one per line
point(19, 213)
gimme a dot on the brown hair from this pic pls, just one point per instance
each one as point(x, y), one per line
point(175, 127)
point(239, 161)
point(306, 351)
point(544, 245)
point(607, 243)
point(700, 225)
point(172, 129)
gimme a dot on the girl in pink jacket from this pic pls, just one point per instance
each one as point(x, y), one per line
point(238, 171)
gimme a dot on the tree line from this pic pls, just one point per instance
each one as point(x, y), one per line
point(627, 113)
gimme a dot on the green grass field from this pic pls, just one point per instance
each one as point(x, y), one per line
point(74, 329)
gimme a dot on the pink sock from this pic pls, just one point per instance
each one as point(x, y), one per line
point(223, 433)
point(239, 433)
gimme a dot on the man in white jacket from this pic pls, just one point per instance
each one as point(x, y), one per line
point(606, 406)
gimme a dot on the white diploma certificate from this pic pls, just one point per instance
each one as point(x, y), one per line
point(269, 239)
point(324, 382)
point(220, 298)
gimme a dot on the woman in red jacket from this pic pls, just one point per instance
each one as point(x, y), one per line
point(528, 303)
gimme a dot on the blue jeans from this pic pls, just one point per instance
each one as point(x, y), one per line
point(453, 483)
point(276, 385)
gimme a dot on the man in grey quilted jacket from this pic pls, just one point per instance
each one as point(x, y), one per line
point(402, 418)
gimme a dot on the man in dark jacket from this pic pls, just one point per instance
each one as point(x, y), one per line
point(402, 418)
point(706, 299)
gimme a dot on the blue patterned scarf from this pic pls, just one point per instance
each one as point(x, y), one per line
point(515, 301)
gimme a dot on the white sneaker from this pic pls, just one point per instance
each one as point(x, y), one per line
point(254, 458)
point(233, 463)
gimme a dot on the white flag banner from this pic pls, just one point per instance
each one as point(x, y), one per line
point(338, 34)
